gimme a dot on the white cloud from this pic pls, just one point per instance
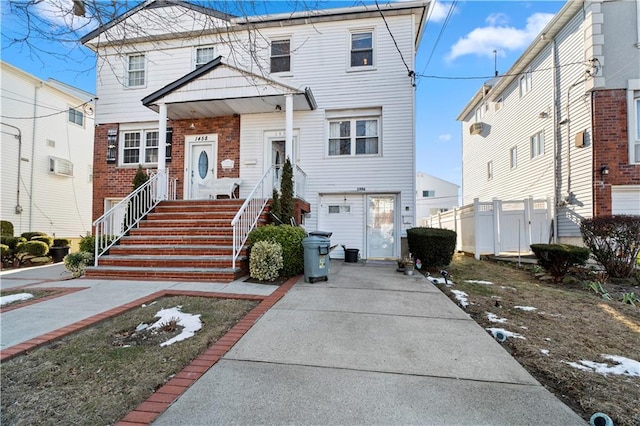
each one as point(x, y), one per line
point(439, 11)
point(59, 14)
point(445, 137)
point(496, 35)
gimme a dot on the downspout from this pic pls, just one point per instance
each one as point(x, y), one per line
point(19, 137)
point(557, 135)
point(33, 153)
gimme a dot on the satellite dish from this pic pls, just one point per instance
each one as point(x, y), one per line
point(88, 109)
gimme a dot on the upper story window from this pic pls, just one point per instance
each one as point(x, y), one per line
point(490, 170)
point(525, 83)
point(361, 49)
point(136, 70)
point(635, 148)
point(536, 143)
point(76, 117)
point(280, 56)
point(429, 193)
point(513, 157)
point(204, 55)
point(354, 136)
point(139, 146)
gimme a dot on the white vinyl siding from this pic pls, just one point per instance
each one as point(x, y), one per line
point(136, 70)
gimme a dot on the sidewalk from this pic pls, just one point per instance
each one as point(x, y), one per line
point(370, 346)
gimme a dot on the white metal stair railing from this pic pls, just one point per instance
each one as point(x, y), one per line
point(125, 215)
point(247, 217)
point(299, 182)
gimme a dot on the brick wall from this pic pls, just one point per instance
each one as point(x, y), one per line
point(113, 181)
point(610, 147)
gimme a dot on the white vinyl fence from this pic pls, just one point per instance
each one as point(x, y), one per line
point(497, 226)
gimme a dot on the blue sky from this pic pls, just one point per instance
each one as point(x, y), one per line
point(452, 50)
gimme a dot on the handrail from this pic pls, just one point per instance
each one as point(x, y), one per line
point(125, 215)
point(247, 217)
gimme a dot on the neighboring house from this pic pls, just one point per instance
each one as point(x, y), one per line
point(434, 195)
point(47, 155)
point(214, 96)
point(564, 122)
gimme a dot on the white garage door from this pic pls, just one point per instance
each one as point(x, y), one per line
point(343, 215)
point(625, 199)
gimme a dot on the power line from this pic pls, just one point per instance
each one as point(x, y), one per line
point(47, 115)
point(409, 71)
point(444, 26)
point(485, 77)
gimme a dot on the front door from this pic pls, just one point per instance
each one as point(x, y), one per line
point(381, 226)
point(201, 166)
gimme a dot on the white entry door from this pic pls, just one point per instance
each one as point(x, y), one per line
point(381, 239)
point(200, 170)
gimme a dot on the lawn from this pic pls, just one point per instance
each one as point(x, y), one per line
point(27, 295)
point(98, 375)
point(564, 329)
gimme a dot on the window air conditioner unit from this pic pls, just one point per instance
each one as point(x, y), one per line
point(475, 128)
point(60, 166)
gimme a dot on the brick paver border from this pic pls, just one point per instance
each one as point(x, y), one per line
point(64, 292)
point(162, 398)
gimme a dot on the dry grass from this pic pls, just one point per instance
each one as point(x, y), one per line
point(93, 378)
point(571, 323)
point(37, 294)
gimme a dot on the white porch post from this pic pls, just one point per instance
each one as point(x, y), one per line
point(288, 127)
point(162, 146)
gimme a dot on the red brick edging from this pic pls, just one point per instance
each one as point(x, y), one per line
point(64, 292)
point(162, 398)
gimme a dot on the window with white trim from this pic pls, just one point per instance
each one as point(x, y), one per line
point(76, 117)
point(139, 146)
point(280, 55)
point(361, 50)
point(354, 136)
point(204, 55)
point(513, 156)
point(344, 209)
point(536, 143)
point(490, 170)
point(525, 83)
point(136, 70)
point(429, 193)
point(636, 134)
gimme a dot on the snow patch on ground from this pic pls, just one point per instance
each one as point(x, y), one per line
point(495, 331)
point(461, 297)
point(545, 351)
point(5, 300)
point(481, 282)
point(526, 308)
point(494, 318)
point(190, 322)
point(623, 366)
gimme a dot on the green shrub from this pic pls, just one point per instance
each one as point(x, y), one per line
point(614, 242)
point(6, 228)
point(29, 235)
point(61, 242)
point(34, 248)
point(556, 259)
point(275, 205)
point(433, 246)
point(266, 261)
point(12, 242)
point(88, 242)
point(77, 262)
point(44, 238)
point(10, 257)
point(5, 251)
point(290, 239)
point(286, 188)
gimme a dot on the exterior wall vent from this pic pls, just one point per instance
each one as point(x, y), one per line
point(475, 128)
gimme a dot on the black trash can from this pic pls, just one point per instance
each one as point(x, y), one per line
point(351, 255)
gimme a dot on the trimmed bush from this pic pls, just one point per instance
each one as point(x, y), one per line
point(88, 242)
point(614, 242)
point(34, 248)
point(29, 235)
point(61, 242)
point(12, 242)
point(44, 238)
point(266, 261)
point(433, 246)
point(5, 251)
point(286, 188)
point(290, 239)
point(77, 262)
point(6, 228)
point(556, 259)
point(275, 205)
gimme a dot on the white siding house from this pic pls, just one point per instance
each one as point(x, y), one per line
point(434, 195)
point(330, 89)
point(47, 155)
point(566, 111)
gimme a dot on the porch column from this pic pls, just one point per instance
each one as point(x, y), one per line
point(162, 147)
point(288, 127)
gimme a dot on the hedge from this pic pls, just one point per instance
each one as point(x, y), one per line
point(556, 259)
point(290, 239)
point(433, 246)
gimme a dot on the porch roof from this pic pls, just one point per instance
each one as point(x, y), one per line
point(218, 89)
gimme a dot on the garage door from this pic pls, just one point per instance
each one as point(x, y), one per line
point(625, 199)
point(343, 215)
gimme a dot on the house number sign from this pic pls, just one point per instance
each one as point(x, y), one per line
point(212, 137)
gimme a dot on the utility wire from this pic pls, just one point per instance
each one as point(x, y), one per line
point(444, 26)
point(47, 115)
point(444, 77)
point(409, 71)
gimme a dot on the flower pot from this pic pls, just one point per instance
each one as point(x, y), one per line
point(58, 253)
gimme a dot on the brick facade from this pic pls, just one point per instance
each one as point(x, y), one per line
point(610, 147)
point(113, 181)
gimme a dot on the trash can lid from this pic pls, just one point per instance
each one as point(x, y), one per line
point(321, 234)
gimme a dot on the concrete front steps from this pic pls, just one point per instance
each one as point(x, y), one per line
point(178, 240)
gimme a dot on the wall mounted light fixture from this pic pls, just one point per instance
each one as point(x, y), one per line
point(193, 126)
point(604, 170)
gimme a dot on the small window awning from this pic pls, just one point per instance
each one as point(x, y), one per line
point(218, 89)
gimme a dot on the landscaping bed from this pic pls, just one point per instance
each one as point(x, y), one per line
point(567, 337)
point(98, 375)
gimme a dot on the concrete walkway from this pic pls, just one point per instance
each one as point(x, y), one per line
point(370, 346)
